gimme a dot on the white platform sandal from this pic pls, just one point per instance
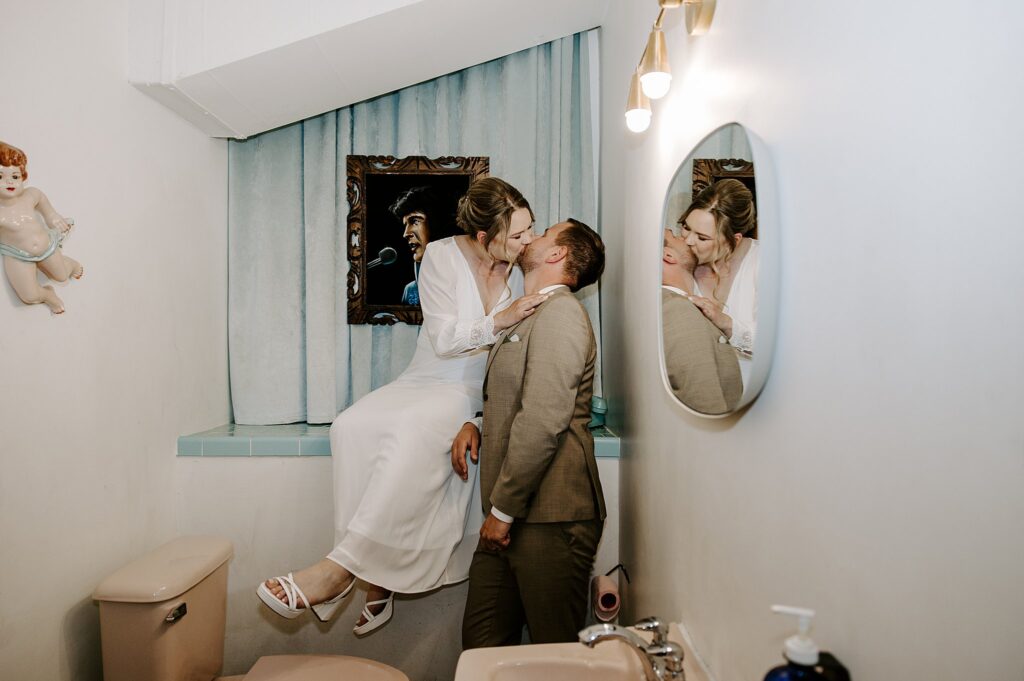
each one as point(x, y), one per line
point(290, 610)
point(292, 592)
point(374, 622)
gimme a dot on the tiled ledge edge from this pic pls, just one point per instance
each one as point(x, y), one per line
point(301, 439)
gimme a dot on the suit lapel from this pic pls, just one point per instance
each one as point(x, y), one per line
point(502, 335)
point(492, 353)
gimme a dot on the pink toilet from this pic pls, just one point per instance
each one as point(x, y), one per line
point(162, 619)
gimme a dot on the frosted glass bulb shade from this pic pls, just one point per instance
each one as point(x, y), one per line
point(638, 120)
point(655, 72)
point(638, 106)
point(656, 84)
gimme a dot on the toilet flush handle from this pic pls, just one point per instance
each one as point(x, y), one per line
point(176, 613)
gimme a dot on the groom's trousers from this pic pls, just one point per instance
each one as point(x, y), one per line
point(541, 580)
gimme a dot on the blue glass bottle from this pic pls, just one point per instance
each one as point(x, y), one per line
point(828, 668)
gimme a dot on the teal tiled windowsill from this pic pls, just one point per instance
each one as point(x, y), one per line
point(296, 439)
point(606, 443)
point(301, 439)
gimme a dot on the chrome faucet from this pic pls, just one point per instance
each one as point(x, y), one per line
point(661, 659)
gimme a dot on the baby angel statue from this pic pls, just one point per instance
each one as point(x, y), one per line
point(26, 243)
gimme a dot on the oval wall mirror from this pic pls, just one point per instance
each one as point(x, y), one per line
point(719, 274)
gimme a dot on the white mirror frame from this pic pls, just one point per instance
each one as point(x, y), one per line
point(769, 271)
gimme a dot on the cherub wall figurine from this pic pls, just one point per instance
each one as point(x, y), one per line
point(25, 242)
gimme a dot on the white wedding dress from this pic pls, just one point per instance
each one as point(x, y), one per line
point(403, 520)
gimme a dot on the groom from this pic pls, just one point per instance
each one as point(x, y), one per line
point(538, 477)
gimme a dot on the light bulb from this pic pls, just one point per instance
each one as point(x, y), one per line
point(638, 107)
point(656, 84)
point(638, 120)
point(655, 72)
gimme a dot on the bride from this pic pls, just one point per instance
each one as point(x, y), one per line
point(401, 515)
point(717, 227)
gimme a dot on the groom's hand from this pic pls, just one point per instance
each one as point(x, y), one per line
point(468, 439)
point(494, 533)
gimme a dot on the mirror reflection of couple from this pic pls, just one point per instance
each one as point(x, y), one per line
point(510, 343)
point(709, 297)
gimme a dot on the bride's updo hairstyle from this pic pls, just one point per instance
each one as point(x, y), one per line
point(488, 206)
point(731, 204)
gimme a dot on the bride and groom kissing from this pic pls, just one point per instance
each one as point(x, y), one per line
point(406, 523)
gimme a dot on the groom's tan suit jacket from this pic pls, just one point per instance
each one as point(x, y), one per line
point(537, 454)
point(703, 371)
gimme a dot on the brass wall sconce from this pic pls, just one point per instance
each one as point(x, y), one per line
point(653, 76)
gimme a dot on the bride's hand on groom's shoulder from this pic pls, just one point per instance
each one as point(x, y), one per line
point(468, 440)
point(520, 309)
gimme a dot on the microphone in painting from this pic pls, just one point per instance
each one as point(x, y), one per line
point(386, 256)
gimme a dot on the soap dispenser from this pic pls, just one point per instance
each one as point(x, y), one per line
point(804, 662)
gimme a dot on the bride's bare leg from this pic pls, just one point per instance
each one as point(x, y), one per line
point(321, 582)
point(374, 593)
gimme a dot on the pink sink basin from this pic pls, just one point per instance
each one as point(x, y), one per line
point(609, 661)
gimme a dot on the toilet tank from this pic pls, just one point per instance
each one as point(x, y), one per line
point(162, 615)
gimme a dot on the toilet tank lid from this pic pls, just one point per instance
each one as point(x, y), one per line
point(165, 572)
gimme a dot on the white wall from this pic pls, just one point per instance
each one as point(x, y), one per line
point(93, 400)
point(878, 477)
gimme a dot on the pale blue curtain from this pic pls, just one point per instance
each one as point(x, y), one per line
point(293, 356)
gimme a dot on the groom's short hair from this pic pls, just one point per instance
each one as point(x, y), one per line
point(584, 261)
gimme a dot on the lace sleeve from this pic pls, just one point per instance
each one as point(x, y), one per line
point(439, 291)
point(742, 337)
point(470, 335)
